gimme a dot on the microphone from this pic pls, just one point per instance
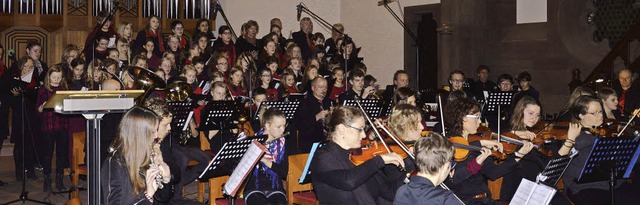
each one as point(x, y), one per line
point(299, 10)
point(215, 10)
point(384, 2)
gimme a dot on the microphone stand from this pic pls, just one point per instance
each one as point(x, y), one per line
point(93, 44)
point(24, 195)
point(418, 44)
point(303, 8)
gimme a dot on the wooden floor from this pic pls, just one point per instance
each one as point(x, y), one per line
point(14, 188)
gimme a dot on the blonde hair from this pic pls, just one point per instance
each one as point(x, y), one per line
point(136, 134)
point(403, 118)
point(121, 27)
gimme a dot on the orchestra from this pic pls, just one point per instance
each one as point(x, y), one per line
point(406, 154)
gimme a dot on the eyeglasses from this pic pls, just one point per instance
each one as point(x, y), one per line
point(595, 113)
point(477, 117)
point(355, 128)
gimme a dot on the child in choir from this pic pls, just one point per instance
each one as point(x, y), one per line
point(264, 184)
point(434, 155)
point(189, 72)
point(54, 129)
point(295, 64)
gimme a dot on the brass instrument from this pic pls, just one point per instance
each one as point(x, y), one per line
point(145, 79)
point(180, 91)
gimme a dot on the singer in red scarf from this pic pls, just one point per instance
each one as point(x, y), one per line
point(152, 31)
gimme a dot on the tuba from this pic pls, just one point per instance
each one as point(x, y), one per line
point(179, 91)
point(145, 79)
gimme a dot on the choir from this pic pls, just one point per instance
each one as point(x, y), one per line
point(143, 163)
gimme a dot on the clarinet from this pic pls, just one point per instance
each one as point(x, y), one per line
point(158, 178)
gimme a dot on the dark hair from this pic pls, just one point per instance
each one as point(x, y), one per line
point(369, 79)
point(158, 106)
point(360, 66)
point(482, 67)
point(175, 23)
point(33, 43)
point(268, 114)
point(456, 111)
point(504, 77)
point(432, 153)
point(456, 72)
point(605, 92)
point(518, 113)
point(100, 37)
point(198, 60)
point(456, 94)
point(197, 30)
point(223, 28)
point(57, 68)
point(581, 106)
point(339, 115)
point(317, 36)
point(108, 62)
point(524, 76)
point(398, 72)
point(356, 73)
point(109, 50)
point(401, 95)
point(77, 61)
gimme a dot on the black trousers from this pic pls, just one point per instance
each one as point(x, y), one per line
point(182, 156)
point(59, 140)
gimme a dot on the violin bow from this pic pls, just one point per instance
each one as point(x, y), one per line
point(373, 126)
point(394, 138)
point(441, 115)
point(635, 113)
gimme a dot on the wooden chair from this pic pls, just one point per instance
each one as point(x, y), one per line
point(77, 164)
point(494, 187)
point(298, 193)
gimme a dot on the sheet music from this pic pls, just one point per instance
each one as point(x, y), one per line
point(248, 161)
point(532, 193)
point(186, 123)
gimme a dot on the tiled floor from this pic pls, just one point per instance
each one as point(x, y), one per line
point(13, 190)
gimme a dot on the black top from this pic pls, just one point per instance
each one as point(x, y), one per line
point(348, 95)
point(116, 186)
point(631, 100)
point(420, 190)
point(389, 91)
point(478, 87)
point(466, 184)
point(309, 129)
point(263, 181)
point(584, 144)
point(242, 45)
point(337, 180)
point(530, 92)
point(301, 40)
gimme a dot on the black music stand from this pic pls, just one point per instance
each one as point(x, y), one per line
point(554, 170)
point(609, 158)
point(226, 160)
point(182, 113)
point(288, 108)
point(218, 115)
point(374, 108)
point(496, 99)
point(295, 97)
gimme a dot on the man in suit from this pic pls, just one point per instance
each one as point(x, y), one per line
point(627, 89)
point(303, 38)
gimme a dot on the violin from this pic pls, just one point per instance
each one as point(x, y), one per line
point(511, 142)
point(462, 149)
point(484, 133)
point(372, 150)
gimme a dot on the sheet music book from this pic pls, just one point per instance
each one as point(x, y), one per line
point(247, 163)
point(306, 170)
point(532, 193)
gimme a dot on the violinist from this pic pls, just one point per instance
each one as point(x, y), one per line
point(525, 114)
point(406, 122)
point(434, 155)
point(470, 179)
point(264, 184)
point(588, 112)
point(609, 99)
point(336, 180)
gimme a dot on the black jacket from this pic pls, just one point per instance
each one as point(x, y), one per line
point(420, 190)
point(116, 185)
point(301, 40)
point(309, 129)
point(337, 180)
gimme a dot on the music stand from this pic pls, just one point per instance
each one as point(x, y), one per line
point(93, 105)
point(219, 115)
point(295, 97)
point(543, 189)
point(182, 114)
point(226, 159)
point(609, 158)
point(288, 108)
point(306, 173)
point(496, 99)
point(373, 107)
